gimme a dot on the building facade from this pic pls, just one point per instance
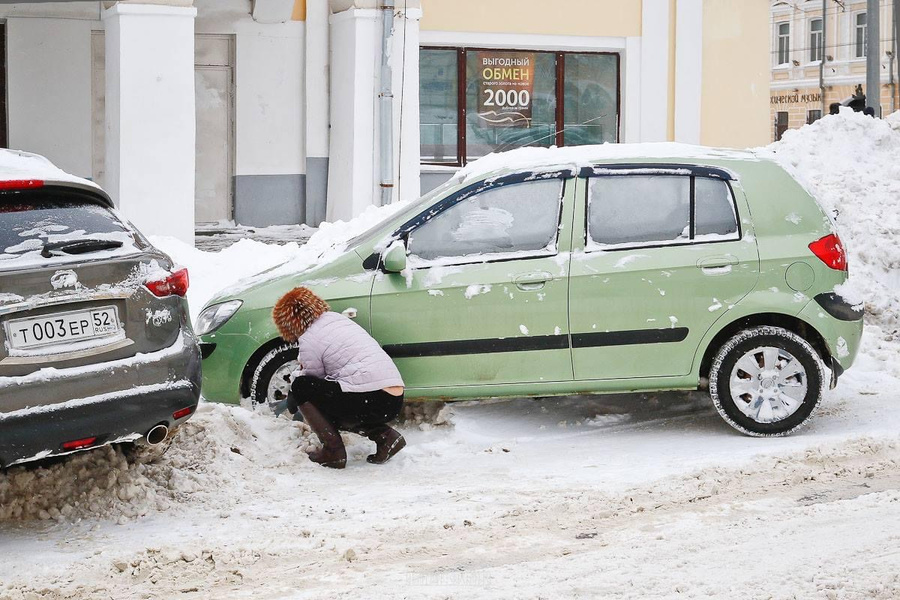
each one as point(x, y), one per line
point(821, 60)
point(287, 111)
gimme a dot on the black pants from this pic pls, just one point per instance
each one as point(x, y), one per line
point(347, 410)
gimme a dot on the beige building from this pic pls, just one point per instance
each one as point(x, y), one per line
point(803, 86)
point(268, 112)
point(691, 71)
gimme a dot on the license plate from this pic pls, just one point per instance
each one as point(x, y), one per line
point(61, 328)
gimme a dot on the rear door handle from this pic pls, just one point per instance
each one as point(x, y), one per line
point(718, 264)
point(532, 281)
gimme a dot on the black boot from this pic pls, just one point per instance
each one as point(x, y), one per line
point(388, 442)
point(333, 454)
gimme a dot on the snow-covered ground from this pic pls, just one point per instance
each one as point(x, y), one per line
point(650, 496)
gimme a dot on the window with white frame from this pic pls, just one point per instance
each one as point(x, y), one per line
point(784, 43)
point(815, 40)
point(861, 43)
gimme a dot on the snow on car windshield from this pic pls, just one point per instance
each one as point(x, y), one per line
point(39, 228)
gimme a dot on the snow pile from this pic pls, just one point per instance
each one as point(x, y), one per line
point(212, 271)
point(851, 164)
point(220, 448)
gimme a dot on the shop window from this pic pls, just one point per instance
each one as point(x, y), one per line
point(812, 116)
point(784, 43)
point(478, 101)
point(861, 42)
point(815, 40)
point(438, 106)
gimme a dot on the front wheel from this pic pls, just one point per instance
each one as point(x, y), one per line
point(766, 381)
point(271, 380)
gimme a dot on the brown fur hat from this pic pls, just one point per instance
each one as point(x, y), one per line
point(296, 311)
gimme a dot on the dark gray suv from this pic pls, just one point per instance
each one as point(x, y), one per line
point(96, 345)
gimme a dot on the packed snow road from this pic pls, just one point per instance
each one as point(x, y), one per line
point(620, 496)
point(623, 496)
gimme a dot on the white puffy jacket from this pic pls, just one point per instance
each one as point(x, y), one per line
point(337, 349)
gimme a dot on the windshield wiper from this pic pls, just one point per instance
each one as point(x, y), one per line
point(83, 246)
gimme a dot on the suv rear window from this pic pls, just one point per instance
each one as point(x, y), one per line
point(31, 220)
point(649, 210)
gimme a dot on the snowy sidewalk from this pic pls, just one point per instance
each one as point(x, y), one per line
point(213, 238)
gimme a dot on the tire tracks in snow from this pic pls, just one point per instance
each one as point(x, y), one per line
point(656, 540)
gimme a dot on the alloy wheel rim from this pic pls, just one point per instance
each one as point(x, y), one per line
point(280, 383)
point(768, 384)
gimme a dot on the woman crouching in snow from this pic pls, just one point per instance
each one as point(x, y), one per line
point(345, 380)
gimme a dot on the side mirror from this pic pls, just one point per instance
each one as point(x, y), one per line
point(394, 258)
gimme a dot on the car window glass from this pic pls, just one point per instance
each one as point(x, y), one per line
point(521, 217)
point(28, 221)
point(714, 209)
point(633, 209)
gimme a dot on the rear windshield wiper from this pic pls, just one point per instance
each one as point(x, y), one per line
point(79, 246)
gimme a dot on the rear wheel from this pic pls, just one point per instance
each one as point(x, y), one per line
point(271, 380)
point(766, 381)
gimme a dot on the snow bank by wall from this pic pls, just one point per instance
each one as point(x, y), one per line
point(851, 163)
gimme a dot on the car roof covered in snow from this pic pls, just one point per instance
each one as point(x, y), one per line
point(17, 165)
point(576, 158)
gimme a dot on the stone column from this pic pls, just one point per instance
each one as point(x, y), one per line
point(150, 118)
point(355, 42)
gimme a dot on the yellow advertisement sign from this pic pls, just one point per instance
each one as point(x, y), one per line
point(505, 88)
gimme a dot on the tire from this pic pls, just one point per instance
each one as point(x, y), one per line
point(781, 374)
point(278, 362)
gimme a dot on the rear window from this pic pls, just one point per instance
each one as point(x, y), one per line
point(647, 210)
point(31, 221)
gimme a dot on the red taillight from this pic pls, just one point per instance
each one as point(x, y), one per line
point(180, 414)
point(79, 444)
point(830, 251)
point(21, 184)
point(175, 284)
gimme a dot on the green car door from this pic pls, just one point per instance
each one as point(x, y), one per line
point(484, 298)
point(659, 255)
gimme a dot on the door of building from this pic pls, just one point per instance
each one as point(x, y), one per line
point(214, 98)
point(214, 85)
point(781, 125)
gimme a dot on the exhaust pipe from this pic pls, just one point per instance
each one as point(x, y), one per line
point(157, 435)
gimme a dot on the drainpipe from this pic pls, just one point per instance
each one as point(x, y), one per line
point(385, 102)
point(873, 57)
point(897, 41)
point(822, 56)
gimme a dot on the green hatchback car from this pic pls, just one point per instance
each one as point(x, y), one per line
point(712, 270)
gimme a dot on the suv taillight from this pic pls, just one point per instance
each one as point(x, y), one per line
point(830, 251)
point(21, 184)
point(176, 284)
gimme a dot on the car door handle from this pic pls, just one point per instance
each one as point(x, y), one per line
point(532, 281)
point(726, 260)
point(718, 264)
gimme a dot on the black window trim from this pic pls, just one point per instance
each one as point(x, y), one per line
point(402, 233)
point(560, 62)
point(665, 170)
